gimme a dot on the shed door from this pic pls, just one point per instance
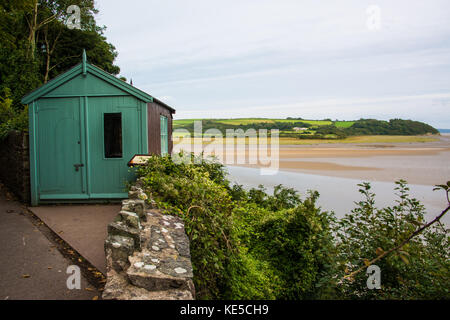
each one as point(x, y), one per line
point(61, 171)
point(114, 137)
point(164, 135)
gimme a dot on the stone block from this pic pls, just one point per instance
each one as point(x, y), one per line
point(121, 229)
point(127, 205)
point(163, 275)
point(119, 248)
point(140, 208)
point(131, 219)
point(136, 193)
point(117, 287)
point(137, 206)
point(133, 194)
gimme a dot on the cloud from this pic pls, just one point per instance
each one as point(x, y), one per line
point(209, 56)
point(433, 105)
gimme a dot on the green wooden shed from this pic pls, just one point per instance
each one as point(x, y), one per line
point(84, 127)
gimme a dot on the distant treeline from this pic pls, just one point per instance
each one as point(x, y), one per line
point(304, 130)
point(393, 127)
point(214, 124)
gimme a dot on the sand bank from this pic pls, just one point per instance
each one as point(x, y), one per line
point(418, 163)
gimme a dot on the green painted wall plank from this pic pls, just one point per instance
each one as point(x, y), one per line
point(144, 129)
point(32, 146)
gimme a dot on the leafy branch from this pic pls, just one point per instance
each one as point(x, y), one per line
point(446, 188)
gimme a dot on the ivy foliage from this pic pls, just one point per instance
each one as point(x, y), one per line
point(248, 244)
point(418, 270)
point(10, 118)
point(244, 244)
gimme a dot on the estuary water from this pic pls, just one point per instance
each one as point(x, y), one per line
point(339, 194)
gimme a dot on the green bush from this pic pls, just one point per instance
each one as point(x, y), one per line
point(370, 127)
point(252, 245)
point(188, 190)
point(297, 245)
point(10, 118)
point(419, 270)
point(391, 127)
point(244, 244)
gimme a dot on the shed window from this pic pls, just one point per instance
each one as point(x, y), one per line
point(113, 135)
point(164, 136)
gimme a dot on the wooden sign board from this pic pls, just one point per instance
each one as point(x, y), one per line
point(138, 160)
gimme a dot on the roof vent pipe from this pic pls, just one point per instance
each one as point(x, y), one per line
point(84, 62)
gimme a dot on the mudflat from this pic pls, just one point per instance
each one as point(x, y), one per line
point(424, 163)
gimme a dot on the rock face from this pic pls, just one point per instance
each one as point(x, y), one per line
point(147, 254)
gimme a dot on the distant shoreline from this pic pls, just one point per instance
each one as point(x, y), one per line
point(368, 139)
point(423, 163)
point(418, 163)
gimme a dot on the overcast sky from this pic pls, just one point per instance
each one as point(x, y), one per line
point(310, 59)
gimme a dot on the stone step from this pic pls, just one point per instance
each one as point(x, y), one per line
point(147, 255)
point(119, 248)
point(118, 288)
point(121, 229)
point(155, 274)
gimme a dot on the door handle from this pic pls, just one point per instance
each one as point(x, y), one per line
point(78, 166)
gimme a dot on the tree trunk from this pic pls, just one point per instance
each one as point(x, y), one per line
point(33, 30)
point(34, 26)
point(49, 49)
point(47, 67)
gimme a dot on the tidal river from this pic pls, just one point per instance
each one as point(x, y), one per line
point(339, 194)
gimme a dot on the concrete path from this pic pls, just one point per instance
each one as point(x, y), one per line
point(83, 227)
point(31, 266)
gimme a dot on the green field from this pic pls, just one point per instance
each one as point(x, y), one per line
point(344, 124)
point(308, 131)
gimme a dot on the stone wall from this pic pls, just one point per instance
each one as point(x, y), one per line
point(147, 254)
point(15, 164)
